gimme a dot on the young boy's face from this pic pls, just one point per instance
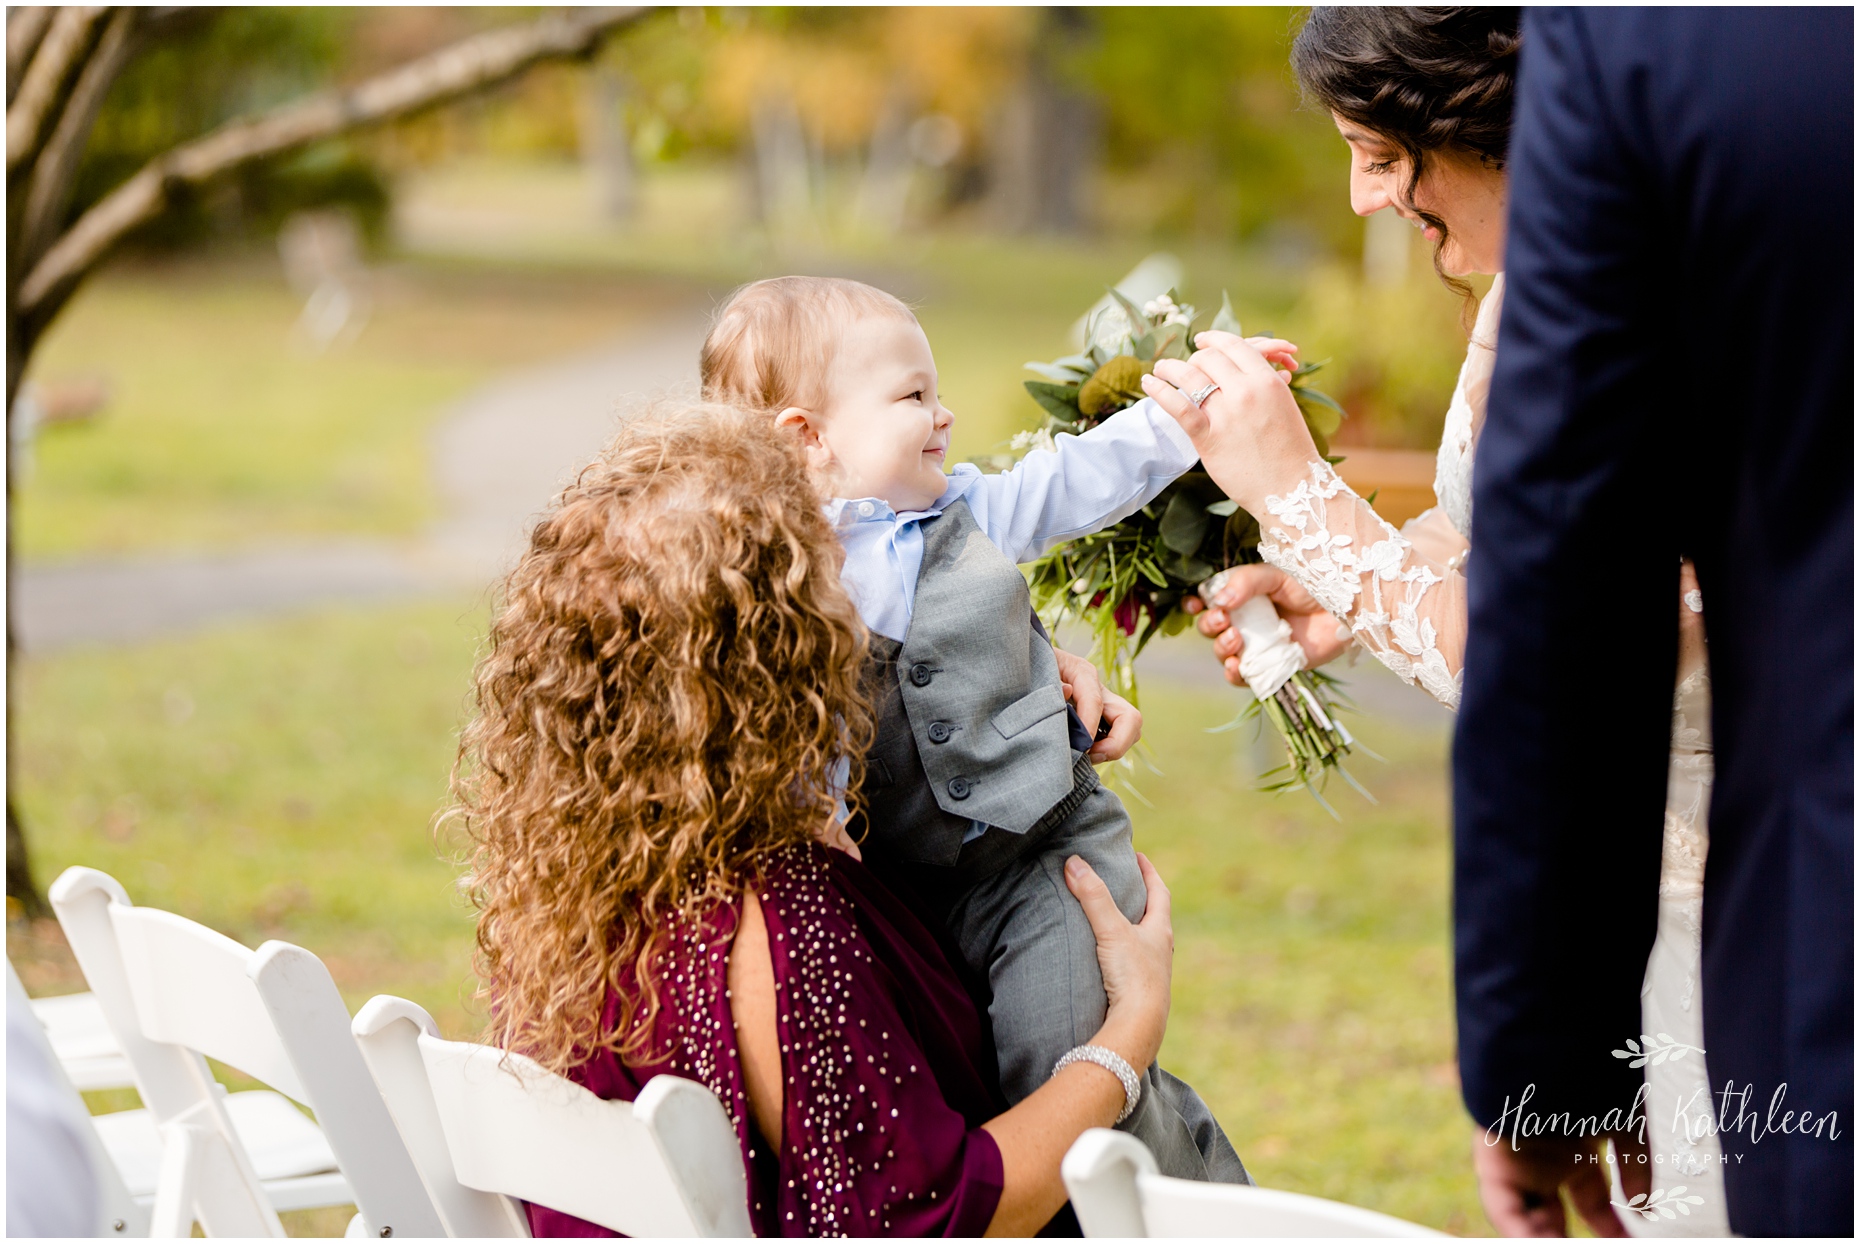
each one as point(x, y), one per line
point(883, 425)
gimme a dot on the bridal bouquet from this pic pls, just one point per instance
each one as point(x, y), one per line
point(1127, 582)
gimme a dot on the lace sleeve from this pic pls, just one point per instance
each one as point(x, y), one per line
point(1408, 610)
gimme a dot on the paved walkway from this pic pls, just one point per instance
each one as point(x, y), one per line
point(498, 457)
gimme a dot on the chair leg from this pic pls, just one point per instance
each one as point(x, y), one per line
point(173, 1214)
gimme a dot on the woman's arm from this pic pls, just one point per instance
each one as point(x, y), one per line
point(1034, 1136)
point(752, 1006)
point(1405, 608)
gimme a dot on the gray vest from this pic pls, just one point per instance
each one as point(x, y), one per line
point(972, 724)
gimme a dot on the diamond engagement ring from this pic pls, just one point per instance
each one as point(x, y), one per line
point(1201, 395)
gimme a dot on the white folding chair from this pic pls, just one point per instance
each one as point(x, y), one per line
point(82, 1043)
point(1116, 1191)
point(488, 1129)
point(175, 993)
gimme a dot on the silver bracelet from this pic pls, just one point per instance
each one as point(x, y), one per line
point(1112, 1062)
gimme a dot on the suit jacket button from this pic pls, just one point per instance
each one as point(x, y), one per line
point(959, 788)
point(940, 732)
point(921, 675)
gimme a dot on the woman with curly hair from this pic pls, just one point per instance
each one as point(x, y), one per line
point(666, 716)
point(1422, 97)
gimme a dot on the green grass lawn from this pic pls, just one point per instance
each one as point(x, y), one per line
point(279, 779)
point(221, 430)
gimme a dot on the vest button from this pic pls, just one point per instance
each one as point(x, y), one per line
point(959, 788)
point(921, 675)
point(940, 732)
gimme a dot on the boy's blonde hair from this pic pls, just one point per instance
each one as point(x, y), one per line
point(772, 343)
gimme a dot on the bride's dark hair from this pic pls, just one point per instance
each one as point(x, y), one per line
point(1426, 79)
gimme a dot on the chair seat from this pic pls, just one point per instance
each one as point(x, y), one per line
point(286, 1148)
point(81, 1041)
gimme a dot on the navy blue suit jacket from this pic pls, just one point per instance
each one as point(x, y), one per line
point(1674, 378)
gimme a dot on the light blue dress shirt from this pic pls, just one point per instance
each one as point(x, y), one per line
point(1083, 484)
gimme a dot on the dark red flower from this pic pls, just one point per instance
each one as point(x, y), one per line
point(1129, 610)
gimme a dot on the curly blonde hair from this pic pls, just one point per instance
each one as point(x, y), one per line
point(674, 673)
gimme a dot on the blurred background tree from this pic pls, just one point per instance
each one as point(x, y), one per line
point(126, 123)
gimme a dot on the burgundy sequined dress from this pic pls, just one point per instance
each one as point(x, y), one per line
point(886, 1061)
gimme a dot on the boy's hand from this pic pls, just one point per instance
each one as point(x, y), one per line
point(1107, 716)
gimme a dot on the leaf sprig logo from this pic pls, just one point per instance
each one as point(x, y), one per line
point(1655, 1050)
point(1668, 1203)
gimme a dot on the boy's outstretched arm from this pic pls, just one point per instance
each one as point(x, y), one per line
point(1083, 483)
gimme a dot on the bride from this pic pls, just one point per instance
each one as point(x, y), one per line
point(1423, 99)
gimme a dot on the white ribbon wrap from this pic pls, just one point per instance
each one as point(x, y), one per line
point(1270, 656)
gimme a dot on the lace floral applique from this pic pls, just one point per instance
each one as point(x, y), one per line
point(1365, 573)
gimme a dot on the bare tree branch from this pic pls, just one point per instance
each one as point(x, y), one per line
point(470, 65)
point(56, 168)
point(25, 26)
point(46, 80)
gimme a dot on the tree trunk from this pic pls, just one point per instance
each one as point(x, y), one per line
point(1046, 139)
point(607, 148)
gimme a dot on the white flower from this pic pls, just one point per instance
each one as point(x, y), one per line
point(1042, 439)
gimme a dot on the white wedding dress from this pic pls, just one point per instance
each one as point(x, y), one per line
point(1403, 595)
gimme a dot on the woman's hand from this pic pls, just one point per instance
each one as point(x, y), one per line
point(1323, 638)
point(1251, 436)
point(1086, 692)
point(1135, 959)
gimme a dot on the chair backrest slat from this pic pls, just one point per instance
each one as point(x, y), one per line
point(514, 1128)
point(193, 987)
point(1116, 1191)
point(490, 1129)
point(1177, 1208)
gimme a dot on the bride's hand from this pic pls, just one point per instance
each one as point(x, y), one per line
point(1251, 436)
point(1323, 638)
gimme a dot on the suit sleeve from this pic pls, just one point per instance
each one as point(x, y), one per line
point(1561, 745)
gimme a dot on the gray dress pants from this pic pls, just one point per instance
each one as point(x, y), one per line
point(1023, 930)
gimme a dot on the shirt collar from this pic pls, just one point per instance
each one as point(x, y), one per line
point(844, 512)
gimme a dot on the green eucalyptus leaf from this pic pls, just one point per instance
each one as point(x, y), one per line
point(1223, 508)
point(1318, 396)
point(1322, 420)
point(1176, 621)
point(1225, 321)
point(1183, 525)
point(1059, 400)
point(1171, 342)
point(1187, 569)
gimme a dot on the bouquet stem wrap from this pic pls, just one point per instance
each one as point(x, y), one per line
point(1270, 656)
